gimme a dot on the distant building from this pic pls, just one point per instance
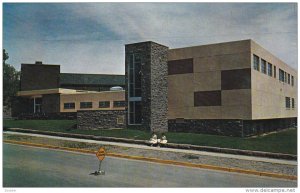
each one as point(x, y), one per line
point(47, 93)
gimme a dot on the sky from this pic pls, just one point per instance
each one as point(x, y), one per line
point(90, 37)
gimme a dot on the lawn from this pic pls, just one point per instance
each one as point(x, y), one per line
point(281, 142)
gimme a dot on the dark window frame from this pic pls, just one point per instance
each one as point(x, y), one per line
point(256, 63)
point(287, 102)
point(86, 105)
point(104, 104)
point(270, 69)
point(69, 105)
point(118, 104)
point(281, 75)
point(263, 65)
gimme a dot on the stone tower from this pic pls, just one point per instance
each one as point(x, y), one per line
point(146, 72)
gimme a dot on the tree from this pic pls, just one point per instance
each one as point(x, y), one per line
point(11, 81)
point(5, 56)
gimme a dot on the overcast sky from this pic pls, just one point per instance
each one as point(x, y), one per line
point(90, 37)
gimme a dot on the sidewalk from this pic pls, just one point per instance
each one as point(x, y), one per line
point(231, 151)
point(242, 157)
point(286, 167)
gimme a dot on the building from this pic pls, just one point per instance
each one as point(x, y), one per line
point(47, 93)
point(234, 88)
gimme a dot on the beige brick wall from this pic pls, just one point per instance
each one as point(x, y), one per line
point(209, 60)
point(268, 93)
point(92, 97)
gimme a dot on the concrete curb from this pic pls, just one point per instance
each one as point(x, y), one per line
point(155, 160)
point(168, 145)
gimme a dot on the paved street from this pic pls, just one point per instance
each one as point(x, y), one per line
point(36, 167)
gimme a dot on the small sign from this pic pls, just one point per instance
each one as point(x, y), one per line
point(101, 153)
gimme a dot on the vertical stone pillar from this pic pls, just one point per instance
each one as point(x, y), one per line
point(147, 93)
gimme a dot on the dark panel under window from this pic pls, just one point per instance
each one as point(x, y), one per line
point(236, 79)
point(207, 98)
point(180, 66)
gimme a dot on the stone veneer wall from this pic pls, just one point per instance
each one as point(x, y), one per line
point(236, 128)
point(100, 119)
point(154, 85)
point(208, 126)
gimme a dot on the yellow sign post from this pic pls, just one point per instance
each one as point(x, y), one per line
point(100, 155)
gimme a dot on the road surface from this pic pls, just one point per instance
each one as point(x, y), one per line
point(25, 166)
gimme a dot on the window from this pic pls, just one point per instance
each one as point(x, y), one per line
point(104, 104)
point(292, 80)
point(293, 103)
point(274, 71)
point(135, 114)
point(37, 102)
point(69, 105)
point(287, 102)
point(285, 77)
point(270, 69)
point(134, 92)
point(119, 103)
point(263, 66)
point(86, 105)
point(135, 75)
point(289, 79)
point(281, 75)
point(255, 62)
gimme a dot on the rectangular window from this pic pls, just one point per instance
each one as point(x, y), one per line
point(104, 104)
point(86, 105)
point(134, 93)
point(292, 80)
point(287, 102)
point(69, 105)
point(135, 75)
point(119, 103)
point(274, 71)
point(37, 105)
point(263, 66)
point(293, 103)
point(135, 113)
point(270, 69)
point(289, 79)
point(255, 62)
point(285, 77)
point(281, 75)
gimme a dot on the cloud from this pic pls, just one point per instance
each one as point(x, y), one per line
point(90, 37)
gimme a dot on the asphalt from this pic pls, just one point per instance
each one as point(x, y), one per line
point(25, 166)
point(221, 155)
